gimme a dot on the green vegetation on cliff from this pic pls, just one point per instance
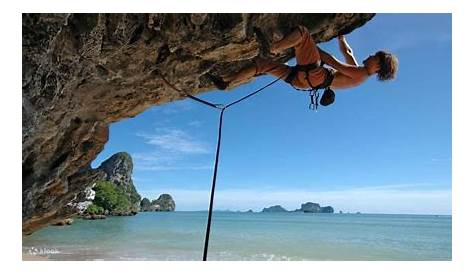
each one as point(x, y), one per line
point(112, 198)
point(135, 198)
point(94, 209)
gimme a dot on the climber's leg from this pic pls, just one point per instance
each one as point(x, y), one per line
point(305, 48)
point(306, 51)
point(259, 67)
point(268, 66)
point(223, 82)
point(244, 73)
point(291, 40)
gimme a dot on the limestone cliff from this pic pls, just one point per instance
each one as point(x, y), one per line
point(82, 72)
point(145, 205)
point(164, 203)
point(310, 207)
point(117, 170)
point(275, 208)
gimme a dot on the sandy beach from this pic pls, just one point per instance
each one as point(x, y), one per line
point(31, 257)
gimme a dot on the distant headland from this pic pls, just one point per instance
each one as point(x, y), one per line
point(308, 207)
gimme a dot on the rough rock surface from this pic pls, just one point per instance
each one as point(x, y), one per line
point(84, 199)
point(164, 203)
point(82, 72)
point(310, 207)
point(145, 205)
point(94, 217)
point(275, 208)
point(118, 170)
point(327, 209)
point(67, 221)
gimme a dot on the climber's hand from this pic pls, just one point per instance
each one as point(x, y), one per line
point(274, 52)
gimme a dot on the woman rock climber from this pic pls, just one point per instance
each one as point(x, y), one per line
point(309, 72)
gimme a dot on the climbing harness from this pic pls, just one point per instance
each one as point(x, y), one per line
point(328, 96)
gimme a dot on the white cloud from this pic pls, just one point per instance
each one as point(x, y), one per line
point(158, 160)
point(164, 167)
point(175, 140)
point(195, 123)
point(173, 149)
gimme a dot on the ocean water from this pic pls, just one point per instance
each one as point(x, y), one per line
point(248, 236)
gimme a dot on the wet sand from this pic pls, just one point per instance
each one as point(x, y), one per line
point(31, 257)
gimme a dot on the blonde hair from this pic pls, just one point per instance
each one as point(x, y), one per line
point(388, 65)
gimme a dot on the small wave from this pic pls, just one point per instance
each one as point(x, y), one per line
point(270, 257)
point(231, 256)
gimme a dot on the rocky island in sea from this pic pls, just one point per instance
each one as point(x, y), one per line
point(275, 208)
point(307, 207)
point(310, 207)
point(164, 203)
point(113, 193)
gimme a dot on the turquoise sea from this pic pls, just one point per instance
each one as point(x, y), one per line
point(248, 236)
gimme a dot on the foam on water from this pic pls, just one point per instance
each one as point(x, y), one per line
point(248, 236)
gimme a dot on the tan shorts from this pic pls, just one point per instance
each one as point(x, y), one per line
point(306, 53)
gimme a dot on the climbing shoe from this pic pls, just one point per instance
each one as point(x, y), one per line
point(264, 44)
point(217, 81)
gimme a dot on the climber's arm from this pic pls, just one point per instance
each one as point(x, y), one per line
point(346, 50)
point(350, 71)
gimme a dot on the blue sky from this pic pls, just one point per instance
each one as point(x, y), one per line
point(383, 147)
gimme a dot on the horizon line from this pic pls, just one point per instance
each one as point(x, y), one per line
point(291, 211)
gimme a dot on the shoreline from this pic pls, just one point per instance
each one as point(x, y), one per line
point(177, 236)
point(31, 257)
